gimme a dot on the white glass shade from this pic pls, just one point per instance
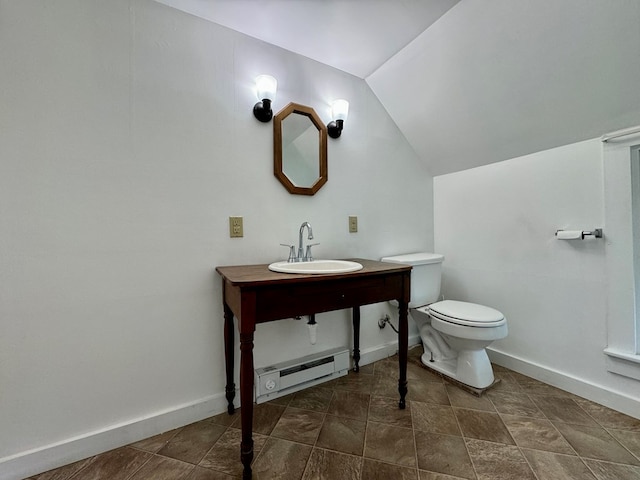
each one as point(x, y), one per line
point(339, 110)
point(266, 87)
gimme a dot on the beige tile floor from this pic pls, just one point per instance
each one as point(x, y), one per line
point(351, 428)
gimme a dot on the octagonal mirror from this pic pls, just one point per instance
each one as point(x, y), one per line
point(300, 149)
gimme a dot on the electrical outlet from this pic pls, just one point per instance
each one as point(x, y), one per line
point(353, 224)
point(235, 227)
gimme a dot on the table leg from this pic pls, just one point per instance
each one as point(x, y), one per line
point(246, 401)
point(230, 389)
point(403, 347)
point(356, 338)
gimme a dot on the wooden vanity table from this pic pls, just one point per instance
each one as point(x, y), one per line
point(254, 294)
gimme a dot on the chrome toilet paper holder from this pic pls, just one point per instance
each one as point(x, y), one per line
point(596, 233)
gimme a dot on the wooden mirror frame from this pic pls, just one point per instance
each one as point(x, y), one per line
point(295, 108)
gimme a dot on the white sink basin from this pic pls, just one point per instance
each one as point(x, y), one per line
point(316, 266)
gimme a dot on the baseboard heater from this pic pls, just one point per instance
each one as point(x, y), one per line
point(287, 377)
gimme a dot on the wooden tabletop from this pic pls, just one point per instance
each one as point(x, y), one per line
point(248, 275)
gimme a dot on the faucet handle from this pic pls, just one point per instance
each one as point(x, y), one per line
point(292, 252)
point(307, 256)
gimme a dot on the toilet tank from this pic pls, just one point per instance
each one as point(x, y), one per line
point(426, 275)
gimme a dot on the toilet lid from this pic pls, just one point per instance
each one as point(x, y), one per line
point(468, 314)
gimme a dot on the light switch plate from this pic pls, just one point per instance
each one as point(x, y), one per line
point(235, 227)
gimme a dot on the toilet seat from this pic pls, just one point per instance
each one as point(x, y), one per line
point(465, 314)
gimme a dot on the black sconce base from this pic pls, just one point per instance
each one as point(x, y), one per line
point(334, 129)
point(262, 111)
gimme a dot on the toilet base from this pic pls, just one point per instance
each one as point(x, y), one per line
point(471, 368)
point(468, 388)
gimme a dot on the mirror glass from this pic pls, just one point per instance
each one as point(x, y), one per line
point(300, 149)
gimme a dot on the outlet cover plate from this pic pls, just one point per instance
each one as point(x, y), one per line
point(353, 224)
point(236, 229)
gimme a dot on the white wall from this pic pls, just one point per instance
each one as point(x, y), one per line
point(127, 142)
point(495, 225)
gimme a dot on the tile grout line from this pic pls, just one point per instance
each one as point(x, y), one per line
point(140, 467)
point(226, 429)
point(606, 429)
point(415, 443)
point(315, 442)
point(528, 395)
point(582, 458)
point(364, 442)
point(526, 460)
point(464, 442)
point(622, 444)
point(577, 454)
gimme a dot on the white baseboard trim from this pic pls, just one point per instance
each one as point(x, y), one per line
point(48, 457)
point(596, 393)
point(38, 460)
point(385, 350)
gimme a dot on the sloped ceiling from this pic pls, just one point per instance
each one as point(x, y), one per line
point(468, 82)
point(356, 36)
point(496, 80)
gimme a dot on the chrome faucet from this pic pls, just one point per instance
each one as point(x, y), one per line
point(301, 256)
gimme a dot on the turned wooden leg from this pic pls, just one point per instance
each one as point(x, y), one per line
point(403, 347)
point(356, 338)
point(230, 389)
point(246, 401)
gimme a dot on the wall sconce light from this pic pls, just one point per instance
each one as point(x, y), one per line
point(339, 112)
point(266, 87)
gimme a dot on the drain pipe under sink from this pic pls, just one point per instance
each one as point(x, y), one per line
point(313, 326)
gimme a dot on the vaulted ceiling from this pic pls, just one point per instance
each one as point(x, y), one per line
point(468, 82)
point(356, 36)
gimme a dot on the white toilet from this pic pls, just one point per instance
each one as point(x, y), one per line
point(454, 334)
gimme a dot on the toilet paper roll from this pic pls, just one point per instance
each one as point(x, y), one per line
point(569, 234)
